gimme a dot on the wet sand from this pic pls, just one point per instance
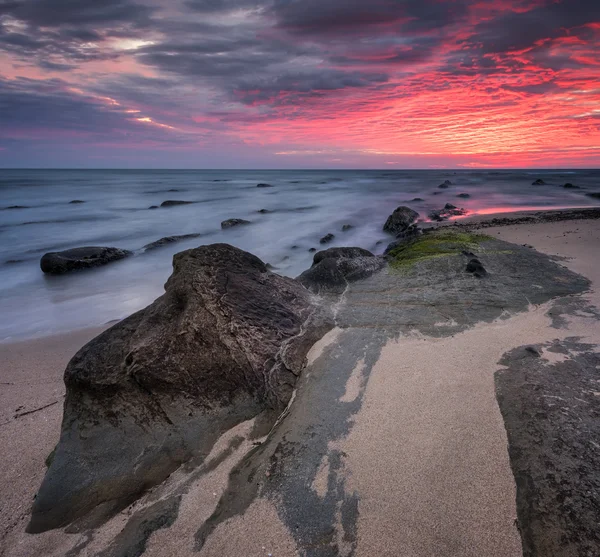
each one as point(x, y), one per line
point(425, 454)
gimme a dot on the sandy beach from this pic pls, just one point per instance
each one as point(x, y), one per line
point(419, 465)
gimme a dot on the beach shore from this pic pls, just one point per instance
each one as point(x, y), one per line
point(426, 452)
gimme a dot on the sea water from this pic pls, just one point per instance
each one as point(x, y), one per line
point(303, 206)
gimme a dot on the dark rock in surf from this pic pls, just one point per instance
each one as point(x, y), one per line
point(445, 185)
point(262, 185)
point(464, 195)
point(17, 207)
point(570, 186)
point(400, 220)
point(538, 182)
point(169, 240)
point(174, 202)
point(417, 199)
point(312, 249)
point(153, 207)
point(326, 239)
point(448, 211)
point(230, 223)
point(346, 227)
point(76, 202)
point(334, 268)
point(77, 259)
point(594, 195)
point(264, 211)
point(226, 341)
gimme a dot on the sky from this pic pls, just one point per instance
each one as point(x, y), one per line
point(300, 83)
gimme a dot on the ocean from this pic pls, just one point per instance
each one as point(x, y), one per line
point(302, 206)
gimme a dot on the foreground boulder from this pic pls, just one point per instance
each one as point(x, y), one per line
point(334, 268)
point(400, 220)
point(226, 341)
point(76, 259)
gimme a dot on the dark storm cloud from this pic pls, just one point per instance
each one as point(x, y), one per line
point(319, 17)
point(513, 31)
point(57, 13)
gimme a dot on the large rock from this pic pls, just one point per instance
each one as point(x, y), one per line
point(400, 220)
point(334, 268)
point(226, 341)
point(76, 259)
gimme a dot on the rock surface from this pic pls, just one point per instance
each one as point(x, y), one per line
point(400, 220)
point(174, 202)
point(169, 240)
point(448, 211)
point(76, 259)
point(334, 268)
point(326, 239)
point(226, 341)
point(230, 223)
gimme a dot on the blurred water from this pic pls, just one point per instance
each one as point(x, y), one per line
point(305, 206)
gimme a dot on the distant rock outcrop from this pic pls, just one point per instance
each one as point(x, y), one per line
point(263, 185)
point(445, 185)
point(226, 341)
point(538, 182)
point(76, 259)
point(230, 223)
point(174, 202)
point(169, 240)
point(400, 220)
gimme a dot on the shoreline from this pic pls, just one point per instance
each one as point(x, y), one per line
point(471, 222)
point(32, 374)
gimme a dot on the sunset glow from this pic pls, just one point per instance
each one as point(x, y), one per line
point(300, 83)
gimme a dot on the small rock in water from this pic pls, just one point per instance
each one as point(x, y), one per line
point(347, 227)
point(463, 195)
point(264, 211)
point(417, 199)
point(173, 202)
point(60, 262)
point(261, 185)
point(448, 211)
point(400, 220)
point(153, 207)
point(76, 201)
point(229, 223)
point(312, 249)
point(17, 207)
point(476, 268)
point(595, 195)
point(326, 239)
point(169, 240)
point(538, 182)
point(570, 186)
point(445, 185)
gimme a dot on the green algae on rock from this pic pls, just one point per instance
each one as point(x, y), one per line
point(439, 243)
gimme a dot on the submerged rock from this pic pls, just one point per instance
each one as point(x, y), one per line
point(230, 223)
point(595, 195)
point(262, 185)
point(417, 199)
point(445, 185)
point(76, 201)
point(153, 207)
point(570, 186)
point(346, 227)
point(334, 268)
point(538, 182)
point(226, 341)
point(326, 239)
point(76, 259)
point(400, 220)
point(169, 240)
point(17, 207)
point(174, 202)
point(464, 195)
